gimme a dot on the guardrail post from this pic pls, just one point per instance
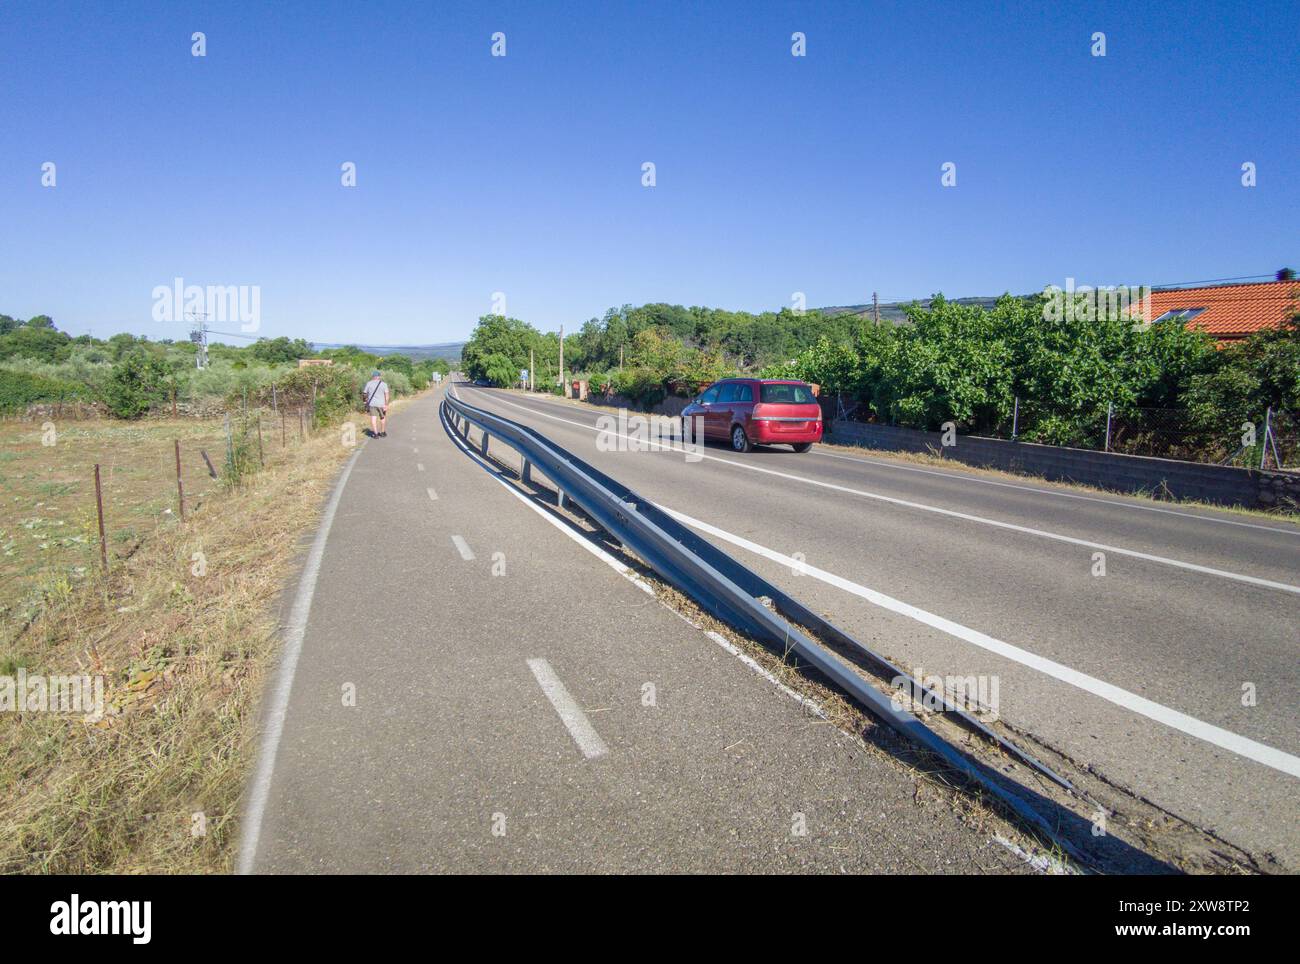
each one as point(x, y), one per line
point(483, 447)
point(526, 473)
point(559, 497)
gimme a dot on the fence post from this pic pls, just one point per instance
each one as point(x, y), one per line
point(99, 510)
point(300, 433)
point(230, 444)
point(275, 405)
point(1015, 419)
point(282, 430)
point(260, 460)
point(1268, 428)
point(180, 486)
point(1110, 409)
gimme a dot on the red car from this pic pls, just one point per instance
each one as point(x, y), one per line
point(757, 411)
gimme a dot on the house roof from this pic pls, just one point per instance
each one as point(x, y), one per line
point(1231, 311)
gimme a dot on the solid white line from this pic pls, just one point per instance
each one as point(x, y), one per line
point(958, 476)
point(1042, 863)
point(809, 705)
point(277, 704)
point(951, 513)
point(463, 548)
point(432, 495)
point(1240, 745)
point(962, 477)
point(579, 727)
point(590, 546)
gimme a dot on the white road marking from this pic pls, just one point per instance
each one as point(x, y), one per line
point(579, 727)
point(590, 546)
point(809, 705)
point(952, 513)
point(419, 466)
point(640, 583)
point(1240, 745)
point(962, 477)
point(463, 548)
point(432, 494)
point(277, 705)
point(1042, 863)
point(958, 476)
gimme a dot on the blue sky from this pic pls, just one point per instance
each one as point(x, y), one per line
point(522, 174)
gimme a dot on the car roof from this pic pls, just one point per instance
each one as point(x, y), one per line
point(764, 381)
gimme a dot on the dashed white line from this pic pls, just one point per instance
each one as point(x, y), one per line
point(419, 466)
point(463, 548)
point(579, 727)
point(587, 544)
point(433, 496)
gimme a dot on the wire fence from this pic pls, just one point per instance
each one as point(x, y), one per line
point(1270, 440)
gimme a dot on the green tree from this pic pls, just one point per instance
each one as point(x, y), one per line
point(136, 383)
point(497, 335)
point(280, 351)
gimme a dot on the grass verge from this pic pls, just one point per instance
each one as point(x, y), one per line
point(183, 630)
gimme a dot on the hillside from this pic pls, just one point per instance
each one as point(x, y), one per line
point(449, 350)
point(894, 310)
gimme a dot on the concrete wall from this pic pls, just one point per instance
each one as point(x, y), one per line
point(1225, 485)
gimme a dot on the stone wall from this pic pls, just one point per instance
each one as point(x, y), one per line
point(1163, 478)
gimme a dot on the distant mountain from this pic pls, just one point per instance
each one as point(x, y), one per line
point(449, 350)
point(893, 311)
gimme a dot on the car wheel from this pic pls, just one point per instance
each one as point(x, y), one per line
point(739, 440)
point(801, 446)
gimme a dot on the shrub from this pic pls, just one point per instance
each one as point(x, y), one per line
point(135, 384)
point(19, 389)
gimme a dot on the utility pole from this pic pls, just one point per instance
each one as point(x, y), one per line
point(562, 391)
point(532, 372)
point(620, 357)
point(875, 306)
point(200, 337)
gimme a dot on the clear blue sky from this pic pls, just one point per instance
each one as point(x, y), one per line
point(522, 174)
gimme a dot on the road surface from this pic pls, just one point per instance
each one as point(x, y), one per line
point(1173, 675)
point(476, 691)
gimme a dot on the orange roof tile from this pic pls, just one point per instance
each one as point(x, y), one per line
point(1231, 311)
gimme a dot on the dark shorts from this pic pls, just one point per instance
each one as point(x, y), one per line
point(377, 412)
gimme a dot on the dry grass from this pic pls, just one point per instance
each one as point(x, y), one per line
point(183, 649)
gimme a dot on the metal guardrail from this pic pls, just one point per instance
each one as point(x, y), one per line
point(731, 592)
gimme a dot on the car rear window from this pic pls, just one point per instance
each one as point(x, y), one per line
point(789, 394)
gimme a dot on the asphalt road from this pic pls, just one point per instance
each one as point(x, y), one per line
point(471, 696)
point(1143, 674)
